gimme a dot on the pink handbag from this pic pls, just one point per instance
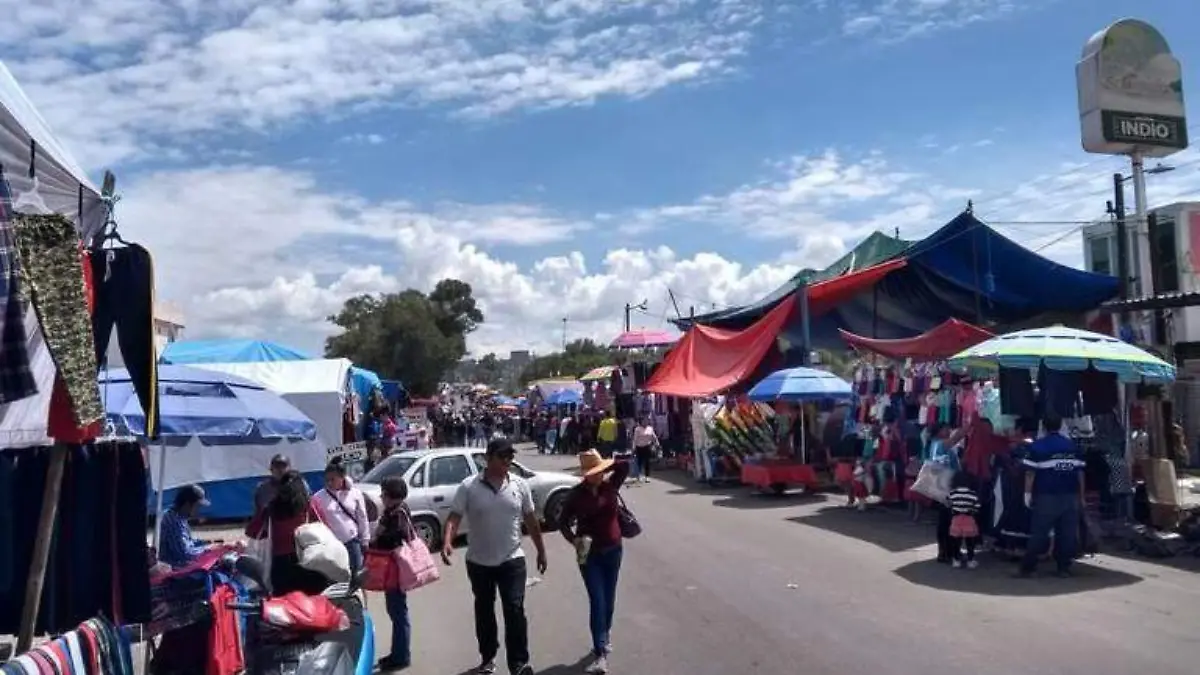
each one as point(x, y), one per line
point(414, 564)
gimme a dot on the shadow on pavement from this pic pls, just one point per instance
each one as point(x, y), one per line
point(734, 495)
point(560, 669)
point(995, 577)
point(1184, 562)
point(880, 527)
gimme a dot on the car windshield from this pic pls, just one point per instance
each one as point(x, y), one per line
point(396, 465)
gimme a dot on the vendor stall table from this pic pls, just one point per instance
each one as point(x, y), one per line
point(777, 476)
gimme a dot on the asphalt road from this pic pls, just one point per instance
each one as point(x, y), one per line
point(725, 582)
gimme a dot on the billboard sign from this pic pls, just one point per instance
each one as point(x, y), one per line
point(1130, 90)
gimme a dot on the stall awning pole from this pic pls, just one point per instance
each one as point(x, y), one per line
point(162, 476)
point(41, 547)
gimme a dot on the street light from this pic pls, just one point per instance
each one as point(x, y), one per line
point(629, 309)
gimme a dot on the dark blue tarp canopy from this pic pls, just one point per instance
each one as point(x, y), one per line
point(965, 270)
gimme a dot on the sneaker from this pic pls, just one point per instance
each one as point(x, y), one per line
point(597, 667)
point(956, 563)
point(524, 670)
point(972, 564)
point(486, 668)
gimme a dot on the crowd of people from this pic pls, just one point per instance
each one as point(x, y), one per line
point(500, 507)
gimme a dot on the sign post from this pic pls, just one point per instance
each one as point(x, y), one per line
point(1130, 90)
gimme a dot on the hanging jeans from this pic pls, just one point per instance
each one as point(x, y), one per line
point(397, 610)
point(124, 283)
point(600, 574)
point(50, 265)
point(508, 580)
point(1060, 514)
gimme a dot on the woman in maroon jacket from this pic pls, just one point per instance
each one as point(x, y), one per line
point(589, 522)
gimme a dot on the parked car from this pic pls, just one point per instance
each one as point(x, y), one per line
point(434, 475)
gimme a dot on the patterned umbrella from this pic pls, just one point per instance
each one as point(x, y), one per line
point(638, 339)
point(1061, 348)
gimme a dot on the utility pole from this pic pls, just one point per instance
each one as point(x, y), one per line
point(628, 309)
point(564, 334)
point(1122, 235)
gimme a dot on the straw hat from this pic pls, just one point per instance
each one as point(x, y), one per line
point(591, 463)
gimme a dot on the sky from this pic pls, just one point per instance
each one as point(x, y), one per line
point(565, 157)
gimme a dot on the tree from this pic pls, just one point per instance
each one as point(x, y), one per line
point(579, 357)
point(489, 371)
point(407, 336)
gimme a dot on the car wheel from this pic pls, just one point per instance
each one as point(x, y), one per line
point(552, 512)
point(429, 530)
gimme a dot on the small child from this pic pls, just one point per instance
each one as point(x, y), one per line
point(964, 531)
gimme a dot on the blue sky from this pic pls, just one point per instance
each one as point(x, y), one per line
point(564, 156)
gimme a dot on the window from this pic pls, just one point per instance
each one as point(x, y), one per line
point(1102, 262)
point(418, 477)
point(396, 465)
point(449, 470)
point(1164, 263)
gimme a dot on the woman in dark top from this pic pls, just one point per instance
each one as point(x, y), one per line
point(589, 522)
point(395, 528)
point(288, 509)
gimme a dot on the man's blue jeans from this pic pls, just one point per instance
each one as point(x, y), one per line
point(600, 574)
point(1060, 513)
point(397, 609)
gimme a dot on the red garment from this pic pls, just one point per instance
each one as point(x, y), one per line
point(982, 445)
point(60, 422)
point(594, 514)
point(224, 638)
point(282, 532)
point(93, 648)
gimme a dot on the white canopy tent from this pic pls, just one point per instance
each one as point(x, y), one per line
point(31, 156)
point(64, 187)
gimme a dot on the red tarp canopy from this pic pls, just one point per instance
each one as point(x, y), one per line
point(935, 344)
point(710, 360)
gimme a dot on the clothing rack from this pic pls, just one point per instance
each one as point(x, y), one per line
point(53, 490)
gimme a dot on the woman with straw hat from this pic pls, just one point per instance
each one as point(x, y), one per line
point(590, 523)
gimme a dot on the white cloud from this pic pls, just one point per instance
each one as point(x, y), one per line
point(265, 252)
point(364, 139)
point(149, 69)
point(898, 20)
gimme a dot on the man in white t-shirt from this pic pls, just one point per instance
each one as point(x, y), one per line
point(645, 441)
point(497, 503)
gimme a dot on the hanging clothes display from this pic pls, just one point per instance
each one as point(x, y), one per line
point(124, 282)
point(60, 423)
point(16, 375)
point(48, 249)
point(94, 647)
point(98, 562)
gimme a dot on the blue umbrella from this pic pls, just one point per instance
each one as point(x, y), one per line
point(801, 384)
point(206, 404)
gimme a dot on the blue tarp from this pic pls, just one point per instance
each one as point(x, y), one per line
point(965, 270)
point(200, 403)
point(394, 391)
point(229, 351)
point(364, 382)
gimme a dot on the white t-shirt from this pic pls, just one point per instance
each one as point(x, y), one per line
point(644, 436)
point(496, 516)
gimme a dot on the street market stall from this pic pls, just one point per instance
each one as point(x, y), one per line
point(66, 275)
point(796, 386)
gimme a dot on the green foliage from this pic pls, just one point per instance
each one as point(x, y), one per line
point(578, 358)
point(407, 336)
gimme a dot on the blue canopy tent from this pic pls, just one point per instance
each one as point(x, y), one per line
point(229, 351)
point(965, 270)
point(208, 421)
point(394, 392)
point(565, 397)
